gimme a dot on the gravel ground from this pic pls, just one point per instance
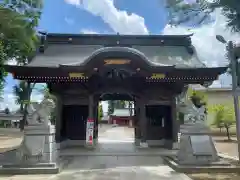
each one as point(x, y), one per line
point(226, 147)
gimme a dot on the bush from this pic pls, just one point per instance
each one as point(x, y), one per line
point(198, 98)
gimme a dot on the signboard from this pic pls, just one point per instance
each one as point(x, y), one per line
point(76, 75)
point(89, 131)
point(116, 61)
point(157, 76)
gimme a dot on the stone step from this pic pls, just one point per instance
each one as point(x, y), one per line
point(39, 165)
point(41, 168)
point(21, 171)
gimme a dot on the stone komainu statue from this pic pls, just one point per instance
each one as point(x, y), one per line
point(39, 114)
point(32, 147)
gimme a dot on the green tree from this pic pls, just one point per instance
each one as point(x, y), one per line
point(18, 41)
point(219, 116)
point(224, 118)
point(119, 104)
point(181, 12)
point(110, 107)
point(18, 22)
point(18, 38)
point(7, 111)
point(2, 72)
point(198, 98)
point(22, 93)
point(100, 112)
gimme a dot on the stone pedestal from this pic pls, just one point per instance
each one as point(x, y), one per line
point(37, 152)
point(196, 146)
point(39, 145)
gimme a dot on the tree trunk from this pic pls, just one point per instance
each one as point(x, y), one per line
point(228, 134)
point(21, 108)
point(130, 108)
point(24, 119)
point(21, 125)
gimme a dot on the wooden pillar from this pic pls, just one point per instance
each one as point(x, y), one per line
point(95, 109)
point(91, 107)
point(137, 130)
point(175, 124)
point(143, 121)
point(58, 123)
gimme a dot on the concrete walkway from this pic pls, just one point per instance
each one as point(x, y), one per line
point(112, 166)
point(119, 168)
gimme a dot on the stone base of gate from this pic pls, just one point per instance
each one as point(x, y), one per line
point(76, 143)
point(155, 143)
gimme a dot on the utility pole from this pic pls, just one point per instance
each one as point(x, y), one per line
point(234, 63)
point(233, 54)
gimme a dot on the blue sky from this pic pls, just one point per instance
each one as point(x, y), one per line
point(124, 17)
point(68, 18)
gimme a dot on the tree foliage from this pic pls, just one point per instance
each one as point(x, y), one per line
point(100, 112)
point(224, 117)
point(19, 20)
point(115, 104)
point(22, 93)
point(110, 107)
point(18, 37)
point(119, 104)
point(2, 72)
point(6, 110)
point(18, 41)
point(198, 98)
point(181, 12)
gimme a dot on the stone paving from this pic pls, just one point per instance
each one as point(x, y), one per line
point(112, 166)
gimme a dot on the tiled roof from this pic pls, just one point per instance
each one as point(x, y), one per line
point(161, 50)
point(56, 55)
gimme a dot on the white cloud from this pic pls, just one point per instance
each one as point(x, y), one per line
point(210, 51)
point(12, 62)
point(120, 21)
point(89, 31)
point(9, 100)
